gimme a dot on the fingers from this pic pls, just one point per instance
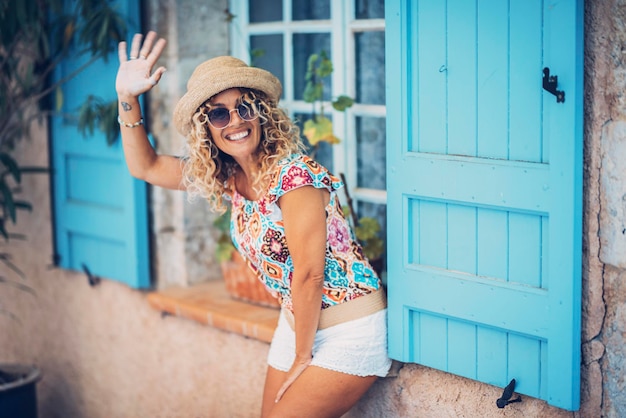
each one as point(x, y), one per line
point(290, 379)
point(121, 52)
point(157, 50)
point(145, 51)
point(135, 45)
point(154, 79)
point(282, 391)
point(294, 373)
point(147, 45)
point(136, 75)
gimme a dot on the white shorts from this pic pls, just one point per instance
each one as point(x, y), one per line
point(357, 347)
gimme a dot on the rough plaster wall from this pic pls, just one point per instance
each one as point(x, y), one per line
point(421, 392)
point(604, 316)
point(184, 241)
point(593, 308)
point(103, 351)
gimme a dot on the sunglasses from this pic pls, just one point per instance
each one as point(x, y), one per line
point(219, 118)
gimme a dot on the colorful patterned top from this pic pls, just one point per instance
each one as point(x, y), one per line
point(258, 233)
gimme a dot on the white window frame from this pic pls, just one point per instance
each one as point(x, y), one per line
point(342, 27)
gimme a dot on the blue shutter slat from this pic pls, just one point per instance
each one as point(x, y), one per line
point(461, 238)
point(525, 249)
point(525, 143)
point(462, 348)
point(567, 62)
point(489, 355)
point(526, 366)
point(101, 220)
point(461, 90)
point(485, 191)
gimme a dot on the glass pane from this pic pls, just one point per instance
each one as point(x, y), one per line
point(265, 10)
point(378, 212)
point(305, 44)
point(370, 137)
point(310, 9)
point(323, 153)
point(370, 67)
point(369, 9)
point(267, 53)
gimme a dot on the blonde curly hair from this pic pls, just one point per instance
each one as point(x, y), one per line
point(207, 170)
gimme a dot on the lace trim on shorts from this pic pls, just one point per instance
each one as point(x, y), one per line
point(357, 347)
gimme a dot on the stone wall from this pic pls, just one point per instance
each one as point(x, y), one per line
point(183, 237)
point(604, 310)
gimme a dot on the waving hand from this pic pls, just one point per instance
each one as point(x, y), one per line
point(135, 74)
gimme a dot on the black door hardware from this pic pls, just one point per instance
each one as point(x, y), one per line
point(549, 84)
point(507, 394)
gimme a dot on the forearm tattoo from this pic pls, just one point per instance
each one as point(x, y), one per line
point(126, 106)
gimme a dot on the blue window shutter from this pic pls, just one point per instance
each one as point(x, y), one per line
point(485, 191)
point(100, 211)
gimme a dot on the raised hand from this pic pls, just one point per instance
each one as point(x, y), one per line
point(135, 74)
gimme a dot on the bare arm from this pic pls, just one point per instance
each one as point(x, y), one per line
point(304, 217)
point(133, 79)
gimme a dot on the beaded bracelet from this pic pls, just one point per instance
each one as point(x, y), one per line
point(129, 125)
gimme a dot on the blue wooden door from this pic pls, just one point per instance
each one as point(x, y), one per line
point(485, 191)
point(100, 211)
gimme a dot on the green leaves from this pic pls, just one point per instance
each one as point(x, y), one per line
point(11, 166)
point(103, 27)
point(222, 222)
point(319, 128)
point(319, 66)
point(224, 249)
point(367, 233)
point(35, 37)
point(95, 112)
point(342, 103)
point(11, 174)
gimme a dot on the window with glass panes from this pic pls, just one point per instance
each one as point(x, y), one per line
point(280, 35)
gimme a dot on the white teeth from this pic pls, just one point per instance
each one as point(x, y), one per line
point(237, 136)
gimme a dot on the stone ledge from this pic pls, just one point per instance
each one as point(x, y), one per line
point(209, 304)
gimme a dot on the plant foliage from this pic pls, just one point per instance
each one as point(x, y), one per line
point(36, 36)
point(319, 128)
point(10, 182)
point(225, 248)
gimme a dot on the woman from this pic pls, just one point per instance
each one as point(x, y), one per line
point(330, 343)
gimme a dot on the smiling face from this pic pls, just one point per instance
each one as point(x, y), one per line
point(240, 138)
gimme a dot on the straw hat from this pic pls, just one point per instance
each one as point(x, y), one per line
point(216, 75)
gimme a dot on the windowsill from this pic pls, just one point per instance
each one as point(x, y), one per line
point(210, 304)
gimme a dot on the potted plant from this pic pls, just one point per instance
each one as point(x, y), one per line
point(36, 36)
point(241, 280)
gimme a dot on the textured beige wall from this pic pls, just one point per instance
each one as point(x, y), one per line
point(105, 353)
point(604, 310)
